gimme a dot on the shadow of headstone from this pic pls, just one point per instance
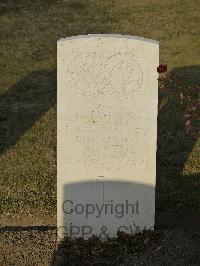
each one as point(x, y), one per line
point(24, 103)
point(176, 194)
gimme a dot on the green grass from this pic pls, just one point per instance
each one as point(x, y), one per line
point(28, 34)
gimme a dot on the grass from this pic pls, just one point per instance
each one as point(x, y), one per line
point(28, 34)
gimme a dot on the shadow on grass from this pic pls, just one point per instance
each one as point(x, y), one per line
point(23, 104)
point(177, 195)
point(39, 228)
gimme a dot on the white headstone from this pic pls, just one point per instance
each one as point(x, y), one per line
point(107, 133)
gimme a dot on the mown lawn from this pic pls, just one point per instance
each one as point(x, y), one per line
point(29, 31)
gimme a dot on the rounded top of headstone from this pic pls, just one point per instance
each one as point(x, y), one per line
point(131, 37)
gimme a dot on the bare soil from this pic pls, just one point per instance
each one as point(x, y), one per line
point(37, 245)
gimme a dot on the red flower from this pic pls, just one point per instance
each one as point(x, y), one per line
point(162, 68)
